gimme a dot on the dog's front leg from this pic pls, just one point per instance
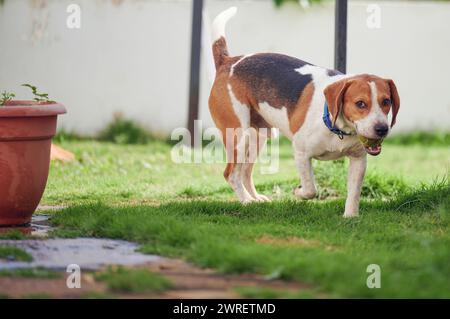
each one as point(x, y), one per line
point(356, 171)
point(307, 190)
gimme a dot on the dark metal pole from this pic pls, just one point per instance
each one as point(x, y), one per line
point(340, 36)
point(194, 81)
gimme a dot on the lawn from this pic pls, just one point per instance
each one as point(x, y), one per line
point(135, 192)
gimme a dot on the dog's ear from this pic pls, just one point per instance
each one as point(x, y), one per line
point(395, 98)
point(334, 94)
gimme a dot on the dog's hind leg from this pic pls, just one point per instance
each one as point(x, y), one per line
point(233, 174)
point(252, 155)
point(231, 120)
point(236, 146)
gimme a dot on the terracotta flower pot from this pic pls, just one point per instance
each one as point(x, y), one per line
point(26, 130)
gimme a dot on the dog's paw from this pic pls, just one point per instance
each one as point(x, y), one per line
point(300, 192)
point(262, 198)
point(247, 201)
point(350, 214)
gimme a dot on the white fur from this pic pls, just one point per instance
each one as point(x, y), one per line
point(218, 27)
point(356, 171)
point(318, 73)
point(236, 182)
point(247, 177)
point(276, 117)
point(308, 189)
point(242, 111)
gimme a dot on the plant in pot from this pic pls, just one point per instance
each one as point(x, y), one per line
point(26, 131)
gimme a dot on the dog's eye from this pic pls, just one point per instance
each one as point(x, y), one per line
point(387, 102)
point(360, 104)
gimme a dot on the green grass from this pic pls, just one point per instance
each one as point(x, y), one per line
point(135, 192)
point(408, 237)
point(133, 280)
point(124, 131)
point(30, 273)
point(12, 234)
point(439, 138)
point(14, 254)
point(135, 174)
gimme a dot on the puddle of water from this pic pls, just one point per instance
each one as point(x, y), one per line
point(58, 253)
point(88, 253)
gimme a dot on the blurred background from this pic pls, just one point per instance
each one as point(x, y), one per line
point(133, 56)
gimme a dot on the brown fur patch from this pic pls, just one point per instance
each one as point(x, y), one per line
point(297, 117)
point(358, 90)
point(383, 92)
point(220, 51)
point(395, 98)
point(241, 91)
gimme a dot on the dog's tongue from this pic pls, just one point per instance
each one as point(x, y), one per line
point(374, 150)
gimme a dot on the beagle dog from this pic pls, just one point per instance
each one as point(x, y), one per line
point(326, 114)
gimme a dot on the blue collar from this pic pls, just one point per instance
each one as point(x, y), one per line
point(329, 125)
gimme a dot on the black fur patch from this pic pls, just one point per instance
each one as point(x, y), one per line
point(272, 78)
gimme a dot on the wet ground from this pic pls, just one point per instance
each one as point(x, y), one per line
point(40, 226)
point(87, 253)
point(94, 254)
point(58, 253)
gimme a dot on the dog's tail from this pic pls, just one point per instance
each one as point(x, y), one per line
point(219, 47)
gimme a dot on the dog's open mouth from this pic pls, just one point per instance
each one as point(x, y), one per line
point(372, 146)
point(373, 150)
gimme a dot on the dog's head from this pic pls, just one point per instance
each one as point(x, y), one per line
point(365, 101)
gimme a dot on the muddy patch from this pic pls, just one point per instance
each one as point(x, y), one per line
point(188, 282)
point(49, 288)
point(193, 282)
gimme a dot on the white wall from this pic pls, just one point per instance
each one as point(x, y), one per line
point(132, 56)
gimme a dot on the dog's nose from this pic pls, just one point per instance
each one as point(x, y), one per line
point(381, 129)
